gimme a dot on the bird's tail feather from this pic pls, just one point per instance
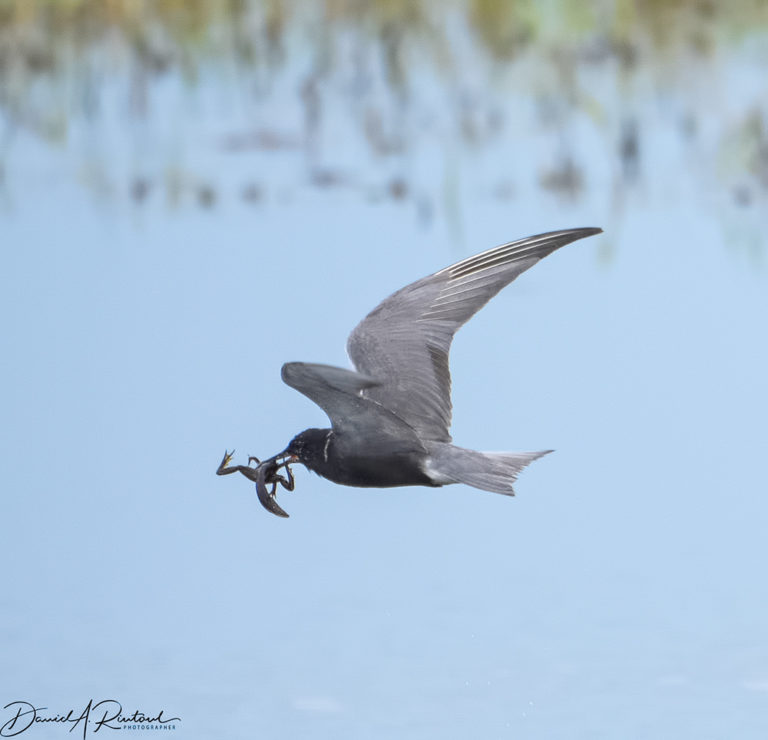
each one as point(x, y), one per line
point(489, 471)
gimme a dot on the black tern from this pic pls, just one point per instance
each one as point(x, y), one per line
point(390, 415)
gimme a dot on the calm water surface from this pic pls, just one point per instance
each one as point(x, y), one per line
point(159, 267)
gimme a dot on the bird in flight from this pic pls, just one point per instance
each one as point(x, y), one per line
point(390, 416)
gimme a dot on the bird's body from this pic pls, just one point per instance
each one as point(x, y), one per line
point(352, 461)
point(391, 415)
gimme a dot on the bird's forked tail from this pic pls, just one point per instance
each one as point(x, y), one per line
point(489, 471)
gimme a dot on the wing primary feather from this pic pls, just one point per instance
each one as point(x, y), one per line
point(519, 249)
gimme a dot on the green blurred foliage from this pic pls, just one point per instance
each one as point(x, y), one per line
point(56, 54)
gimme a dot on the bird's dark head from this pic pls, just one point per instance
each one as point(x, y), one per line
point(310, 447)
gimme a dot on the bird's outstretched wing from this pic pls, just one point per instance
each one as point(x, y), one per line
point(335, 390)
point(340, 393)
point(404, 342)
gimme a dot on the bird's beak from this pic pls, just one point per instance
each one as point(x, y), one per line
point(286, 457)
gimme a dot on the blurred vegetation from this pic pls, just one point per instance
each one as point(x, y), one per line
point(396, 74)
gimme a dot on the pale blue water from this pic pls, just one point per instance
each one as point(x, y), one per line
point(621, 594)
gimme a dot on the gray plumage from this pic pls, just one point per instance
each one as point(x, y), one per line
point(391, 415)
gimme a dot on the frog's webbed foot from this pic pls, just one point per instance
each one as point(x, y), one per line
point(223, 469)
